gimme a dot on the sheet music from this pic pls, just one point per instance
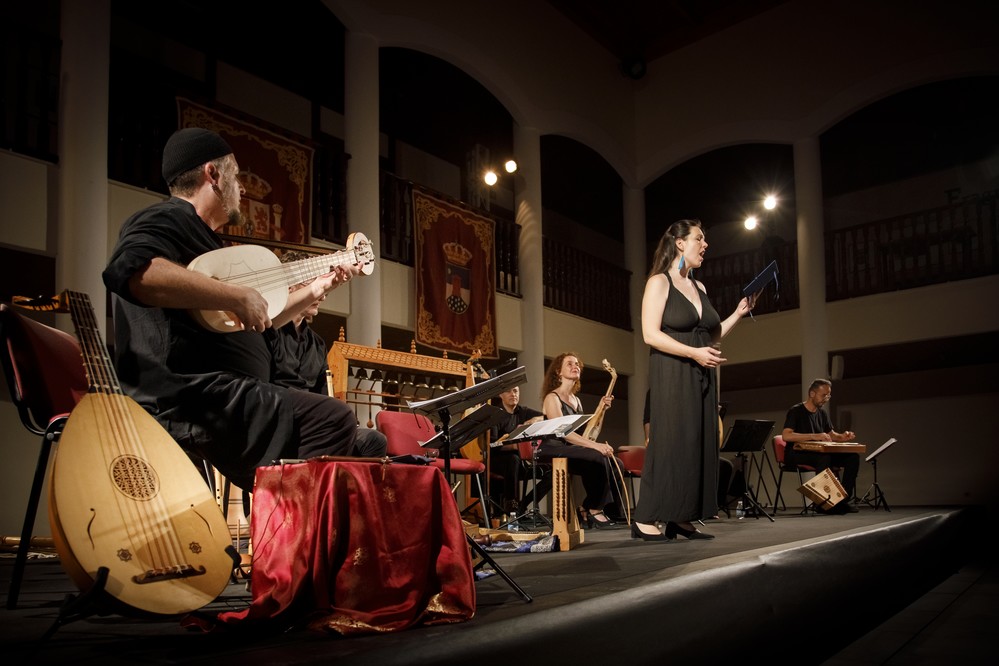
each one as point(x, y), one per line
point(559, 426)
point(881, 448)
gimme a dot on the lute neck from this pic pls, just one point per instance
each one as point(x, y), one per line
point(100, 371)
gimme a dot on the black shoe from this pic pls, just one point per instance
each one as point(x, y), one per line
point(637, 533)
point(605, 524)
point(672, 530)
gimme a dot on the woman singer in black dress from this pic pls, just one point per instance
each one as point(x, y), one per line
point(680, 476)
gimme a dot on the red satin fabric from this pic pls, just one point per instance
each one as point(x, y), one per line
point(356, 548)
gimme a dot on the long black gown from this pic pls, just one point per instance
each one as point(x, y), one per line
point(680, 476)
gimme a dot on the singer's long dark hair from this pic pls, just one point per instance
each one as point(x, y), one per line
point(666, 251)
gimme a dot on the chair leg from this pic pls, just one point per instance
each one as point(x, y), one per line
point(21, 559)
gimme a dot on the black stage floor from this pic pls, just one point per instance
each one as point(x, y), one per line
point(797, 590)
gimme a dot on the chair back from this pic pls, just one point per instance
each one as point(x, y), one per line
point(779, 446)
point(43, 367)
point(632, 459)
point(404, 431)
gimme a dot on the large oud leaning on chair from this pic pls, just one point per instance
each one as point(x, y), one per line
point(131, 516)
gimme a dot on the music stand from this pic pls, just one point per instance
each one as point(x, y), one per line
point(443, 408)
point(536, 433)
point(879, 495)
point(466, 430)
point(749, 436)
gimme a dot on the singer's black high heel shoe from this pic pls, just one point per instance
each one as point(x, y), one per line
point(637, 533)
point(672, 530)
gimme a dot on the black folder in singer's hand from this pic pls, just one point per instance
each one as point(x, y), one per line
point(558, 428)
point(766, 276)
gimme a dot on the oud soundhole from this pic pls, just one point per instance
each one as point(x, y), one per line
point(135, 478)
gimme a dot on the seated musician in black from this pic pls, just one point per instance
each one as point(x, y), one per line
point(298, 361)
point(807, 422)
point(504, 460)
point(211, 391)
point(588, 459)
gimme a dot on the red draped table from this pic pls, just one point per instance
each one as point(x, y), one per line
point(356, 547)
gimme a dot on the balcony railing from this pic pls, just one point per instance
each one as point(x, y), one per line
point(955, 242)
point(574, 281)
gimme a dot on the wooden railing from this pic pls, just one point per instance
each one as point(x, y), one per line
point(397, 231)
point(955, 242)
point(574, 281)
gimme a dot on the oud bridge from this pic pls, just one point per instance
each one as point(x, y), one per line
point(168, 573)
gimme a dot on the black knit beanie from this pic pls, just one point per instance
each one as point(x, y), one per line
point(189, 148)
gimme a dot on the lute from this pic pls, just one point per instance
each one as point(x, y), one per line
point(129, 511)
point(593, 426)
point(258, 267)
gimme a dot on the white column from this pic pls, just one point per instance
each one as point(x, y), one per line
point(635, 261)
point(82, 242)
point(527, 152)
point(361, 141)
point(811, 260)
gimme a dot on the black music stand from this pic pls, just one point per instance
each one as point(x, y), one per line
point(442, 409)
point(877, 495)
point(749, 436)
point(467, 429)
point(535, 433)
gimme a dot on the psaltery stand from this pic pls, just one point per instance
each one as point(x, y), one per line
point(748, 436)
point(442, 409)
point(876, 495)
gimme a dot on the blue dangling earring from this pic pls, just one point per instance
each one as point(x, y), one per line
point(682, 263)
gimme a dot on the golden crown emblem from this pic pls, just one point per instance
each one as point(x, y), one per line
point(457, 254)
point(255, 187)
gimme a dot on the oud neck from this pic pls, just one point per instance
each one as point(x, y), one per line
point(308, 269)
point(96, 360)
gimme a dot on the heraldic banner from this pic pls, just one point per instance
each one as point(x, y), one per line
point(455, 291)
point(275, 171)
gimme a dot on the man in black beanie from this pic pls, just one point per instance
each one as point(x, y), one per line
point(211, 391)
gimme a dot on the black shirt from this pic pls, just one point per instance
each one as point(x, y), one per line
point(156, 347)
point(298, 358)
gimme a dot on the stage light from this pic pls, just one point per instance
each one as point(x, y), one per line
point(490, 177)
point(510, 166)
point(770, 202)
point(750, 222)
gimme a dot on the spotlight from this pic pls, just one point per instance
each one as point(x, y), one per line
point(510, 166)
point(490, 177)
point(750, 222)
point(770, 202)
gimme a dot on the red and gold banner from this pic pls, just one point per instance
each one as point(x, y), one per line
point(455, 290)
point(275, 171)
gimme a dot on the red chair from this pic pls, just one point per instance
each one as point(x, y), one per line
point(405, 431)
point(43, 367)
point(632, 459)
point(782, 466)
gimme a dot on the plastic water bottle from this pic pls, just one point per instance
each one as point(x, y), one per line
point(740, 513)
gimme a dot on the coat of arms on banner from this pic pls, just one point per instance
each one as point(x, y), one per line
point(459, 277)
point(455, 294)
point(275, 172)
